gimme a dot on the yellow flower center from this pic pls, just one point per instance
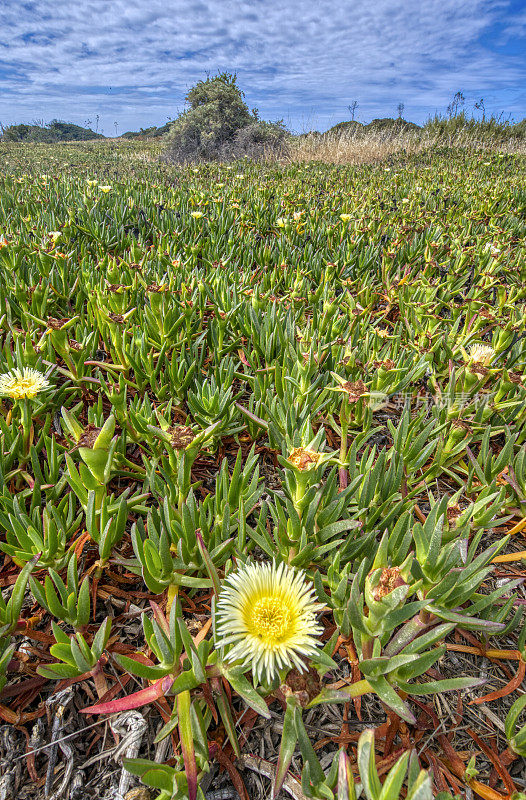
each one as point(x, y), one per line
point(270, 618)
point(23, 387)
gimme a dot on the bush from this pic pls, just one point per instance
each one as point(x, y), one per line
point(488, 129)
point(217, 111)
point(390, 125)
point(153, 132)
point(348, 127)
point(260, 140)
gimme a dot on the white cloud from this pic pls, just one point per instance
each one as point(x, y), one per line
point(132, 60)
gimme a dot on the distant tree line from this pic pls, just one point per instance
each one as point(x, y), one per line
point(54, 131)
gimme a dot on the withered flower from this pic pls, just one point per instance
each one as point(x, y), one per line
point(391, 578)
point(303, 459)
point(56, 324)
point(89, 437)
point(385, 365)
point(354, 389)
point(182, 436)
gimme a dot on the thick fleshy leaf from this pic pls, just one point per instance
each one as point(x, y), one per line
point(367, 766)
point(244, 689)
point(187, 742)
point(346, 789)
point(289, 738)
point(141, 698)
point(385, 692)
point(469, 623)
point(447, 685)
point(135, 667)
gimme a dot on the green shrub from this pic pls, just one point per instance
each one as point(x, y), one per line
point(260, 140)
point(217, 111)
point(493, 128)
point(390, 125)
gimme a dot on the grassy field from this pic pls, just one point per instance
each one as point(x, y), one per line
point(262, 475)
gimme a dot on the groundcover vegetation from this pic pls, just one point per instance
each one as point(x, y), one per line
point(262, 476)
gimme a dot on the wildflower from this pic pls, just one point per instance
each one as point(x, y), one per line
point(19, 384)
point(281, 222)
point(345, 217)
point(298, 215)
point(196, 214)
point(492, 249)
point(481, 354)
point(268, 613)
point(54, 235)
point(105, 189)
point(303, 459)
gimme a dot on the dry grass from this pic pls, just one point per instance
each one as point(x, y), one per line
point(357, 147)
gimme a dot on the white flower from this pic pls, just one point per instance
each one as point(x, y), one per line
point(481, 354)
point(196, 214)
point(19, 384)
point(268, 614)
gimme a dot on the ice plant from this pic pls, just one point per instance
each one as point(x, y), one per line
point(303, 459)
point(481, 354)
point(268, 613)
point(20, 384)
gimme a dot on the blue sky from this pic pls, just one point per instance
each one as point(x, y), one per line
point(131, 61)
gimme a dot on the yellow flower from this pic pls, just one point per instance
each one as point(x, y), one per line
point(54, 235)
point(19, 384)
point(196, 214)
point(105, 189)
point(345, 217)
point(303, 459)
point(481, 354)
point(268, 614)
